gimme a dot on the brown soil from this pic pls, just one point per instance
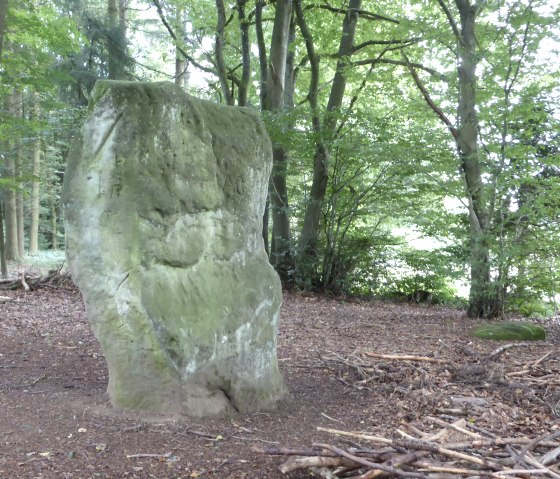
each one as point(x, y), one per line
point(56, 422)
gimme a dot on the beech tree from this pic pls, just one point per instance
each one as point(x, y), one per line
point(379, 113)
point(501, 42)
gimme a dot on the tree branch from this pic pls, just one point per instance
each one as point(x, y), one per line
point(363, 13)
point(408, 41)
point(450, 19)
point(219, 52)
point(370, 61)
point(437, 110)
point(189, 58)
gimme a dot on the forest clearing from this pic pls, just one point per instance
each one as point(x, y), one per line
point(198, 162)
point(57, 421)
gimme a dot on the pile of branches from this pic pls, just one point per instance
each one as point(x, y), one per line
point(55, 278)
point(456, 450)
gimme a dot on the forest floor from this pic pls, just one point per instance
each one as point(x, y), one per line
point(56, 422)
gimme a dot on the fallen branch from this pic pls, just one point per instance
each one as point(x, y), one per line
point(494, 354)
point(404, 357)
point(420, 458)
point(140, 456)
point(364, 462)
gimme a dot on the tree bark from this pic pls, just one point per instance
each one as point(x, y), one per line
point(19, 201)
point(481, 296)
point(219, 51)
point(325, 132)
point(244, 84)
point(54, 218)
point(35, 187)
point(116, 39)
point(281, 246)
point(181, 73)
point(263, 68)
point(3, 12)
point(10, 210)
point(3, 262)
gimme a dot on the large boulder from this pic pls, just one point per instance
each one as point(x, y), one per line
point(163, 200)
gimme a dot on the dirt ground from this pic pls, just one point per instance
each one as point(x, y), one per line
point(56, 422)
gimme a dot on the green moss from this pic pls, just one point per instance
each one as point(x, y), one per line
point(510, 332)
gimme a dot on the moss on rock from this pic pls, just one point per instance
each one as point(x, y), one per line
point(164, 197)
point(510, 332)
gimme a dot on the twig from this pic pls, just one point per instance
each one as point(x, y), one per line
point(534, 442)
point(295, 463)
point(504, 348)
point(197, 433)
point(331, 418)
point(35, 381)
point(257, 439)
point(373, 465)
point(542, 358)
point(454, 426)
point(139, 456)
point(404, 357)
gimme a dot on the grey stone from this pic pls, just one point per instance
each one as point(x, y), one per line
point(163, 200)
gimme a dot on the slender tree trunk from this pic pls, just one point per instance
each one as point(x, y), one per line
point(54, 217)
point(20, 204)
point(481, 296)
point(18, 167)
point(3, 262)
point(10, 210)
point(245, 82)
point(281, 244)
point(263, 68)
point(181, 72)
point(116, 40)
point(325, 132)
point(35, 196)
point(3, 12)
point(219, 50)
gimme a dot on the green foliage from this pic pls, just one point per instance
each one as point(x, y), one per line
point(393, 171)
point(510, 332)
point(42, 262)
point(422, 276)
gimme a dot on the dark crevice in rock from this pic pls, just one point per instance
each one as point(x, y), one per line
point(108, 133)
point(230, 399)
point(123, 280)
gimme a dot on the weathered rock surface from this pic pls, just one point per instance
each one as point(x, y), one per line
point(163, 199)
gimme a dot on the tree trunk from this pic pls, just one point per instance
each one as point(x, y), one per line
point(481, 296)
point(245, 82)
point(10, 210)
point(3, 263)
point(263, 68)
point(325, 134)
point(19, 194)
point(3, 12)
point(281, 245)
point(116, 39)
point(54, 218)
point(219, 50)
point(181, 73)
point(35, 191)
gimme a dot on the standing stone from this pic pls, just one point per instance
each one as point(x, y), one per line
point(163, 199)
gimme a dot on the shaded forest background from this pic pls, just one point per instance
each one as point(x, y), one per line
point(415, 143)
